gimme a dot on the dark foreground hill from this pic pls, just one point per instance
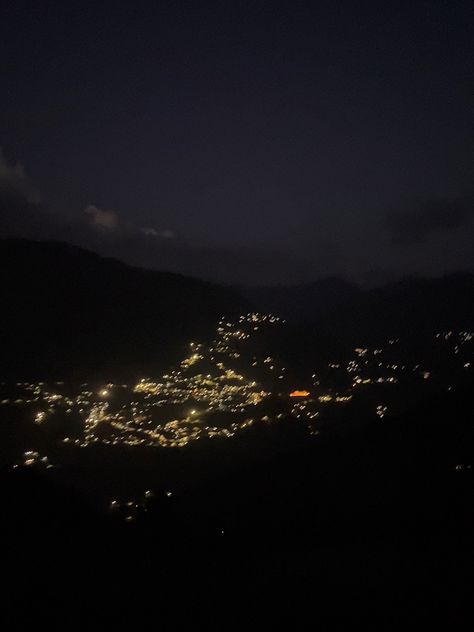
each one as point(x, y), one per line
point(370, 526)
point(369, 522)
point(65, 310)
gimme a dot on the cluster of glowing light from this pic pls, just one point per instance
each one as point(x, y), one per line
point(32, 458)
point(381, 411)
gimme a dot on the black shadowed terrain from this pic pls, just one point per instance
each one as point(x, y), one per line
point(353, 505)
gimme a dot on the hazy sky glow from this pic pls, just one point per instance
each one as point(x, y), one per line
point(250, 142)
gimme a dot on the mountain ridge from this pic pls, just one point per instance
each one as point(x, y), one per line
point(67, 309)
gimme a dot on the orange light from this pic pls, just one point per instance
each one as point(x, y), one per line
point(299, 394)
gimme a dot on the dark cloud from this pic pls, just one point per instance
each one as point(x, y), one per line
point(415, 225)
point(153, 232)
point(22, 213)
point(14, 179)
point(104, 231)
point(112, 234)
point(105, 220)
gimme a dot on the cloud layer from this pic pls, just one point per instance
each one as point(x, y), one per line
point(106, 220)
point(415, 225)
point(13, 178)
point(425, 239)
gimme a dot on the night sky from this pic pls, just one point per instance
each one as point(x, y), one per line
point(249, 142)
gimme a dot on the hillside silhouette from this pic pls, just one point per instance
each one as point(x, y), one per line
point(69, 310)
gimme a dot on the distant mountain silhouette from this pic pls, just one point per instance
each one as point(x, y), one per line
point(307, 302)
point(66, 310)
point(415, 305)
point(408, 306)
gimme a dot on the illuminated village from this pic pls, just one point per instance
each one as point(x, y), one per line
point(221, 390)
